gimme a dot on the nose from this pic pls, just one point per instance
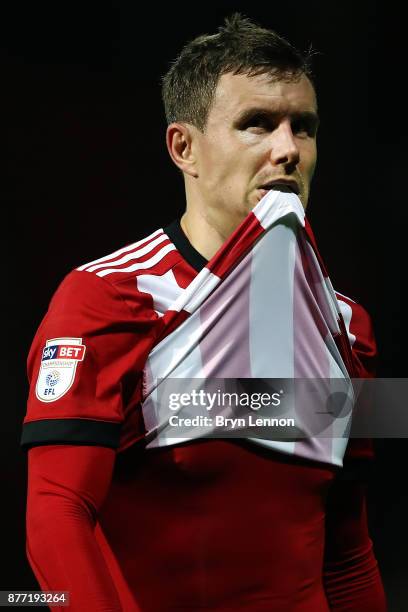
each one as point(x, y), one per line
point(284, 149)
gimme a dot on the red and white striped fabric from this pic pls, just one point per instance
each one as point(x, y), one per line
point(263, 307)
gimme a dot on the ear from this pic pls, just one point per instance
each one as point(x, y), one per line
point(179, 140)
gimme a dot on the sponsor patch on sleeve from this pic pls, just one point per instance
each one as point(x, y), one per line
point(59, 361)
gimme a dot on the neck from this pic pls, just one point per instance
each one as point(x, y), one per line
point(207, 230)
point(204, 238)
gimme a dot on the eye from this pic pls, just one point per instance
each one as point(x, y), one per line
point(303, 128)
point(258, 121)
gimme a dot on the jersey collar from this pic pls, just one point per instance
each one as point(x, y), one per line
point(183, 245)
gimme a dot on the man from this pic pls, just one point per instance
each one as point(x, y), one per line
point(207, 524)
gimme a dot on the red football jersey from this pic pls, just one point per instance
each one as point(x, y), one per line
point(210, 524)
point(86, 360)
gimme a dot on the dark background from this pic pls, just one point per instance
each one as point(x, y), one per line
point(88, 171)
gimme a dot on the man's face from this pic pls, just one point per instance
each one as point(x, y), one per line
point(257, 131)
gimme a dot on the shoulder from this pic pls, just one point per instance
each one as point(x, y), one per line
point(357, 319)
point(107, 285)
point(152, 253)
point(146, 276)
point(102, 299)
point(149, 270)
point(360, 330)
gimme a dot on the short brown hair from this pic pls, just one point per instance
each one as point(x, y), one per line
point(240, 47)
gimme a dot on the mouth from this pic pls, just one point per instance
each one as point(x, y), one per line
point(279, 185)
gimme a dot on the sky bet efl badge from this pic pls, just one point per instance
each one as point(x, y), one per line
point(59, 362)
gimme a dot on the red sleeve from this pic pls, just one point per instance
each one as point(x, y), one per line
point(360, 451)
point(66, 487)
point(85, 362)
point(351, 577)
point(364, 347)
